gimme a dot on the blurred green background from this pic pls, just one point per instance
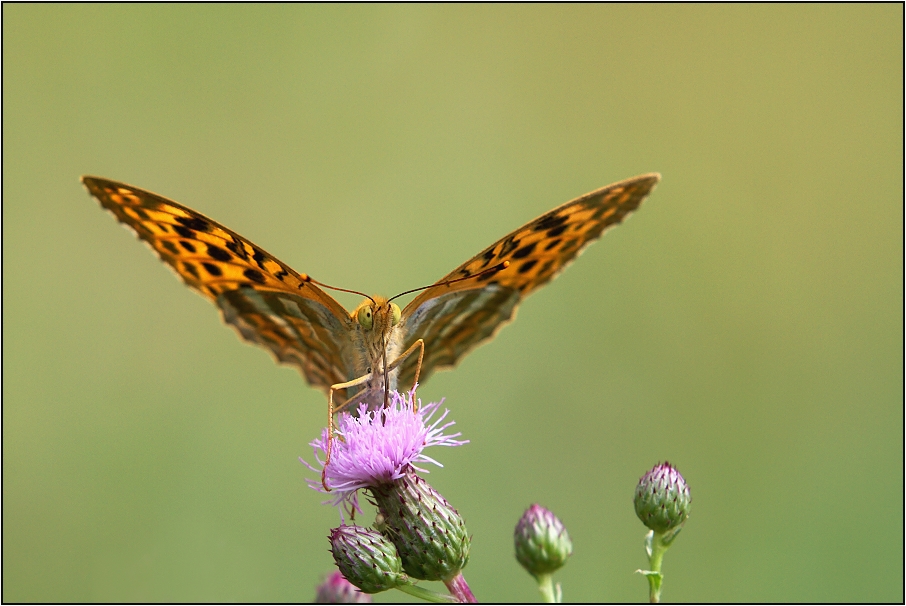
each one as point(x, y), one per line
point(746, 324)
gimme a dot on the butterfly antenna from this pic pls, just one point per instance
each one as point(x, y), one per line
point(493, 269)
point(306, 278)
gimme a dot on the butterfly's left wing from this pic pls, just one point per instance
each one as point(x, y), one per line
point(455, 318)
point(266, 301)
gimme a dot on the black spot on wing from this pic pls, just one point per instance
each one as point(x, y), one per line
point(569, 245)
point(194, 223)
point(218, 253)
point(524, 251)
point(552, 244)
point(550, 222)
point(487, 256)
point(508, 245)
point(254, 275)
point(212, 269)
point(190, 268)
point(185, 232)
point(141, 213)
point(187, 245)
point(259, 258)
point(556, 231)
point(237, 249)
point(169, 246)
point(528, 265)
point(544, 268)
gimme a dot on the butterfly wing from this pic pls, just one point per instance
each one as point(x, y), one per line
point(265, 300)
point(455, 318)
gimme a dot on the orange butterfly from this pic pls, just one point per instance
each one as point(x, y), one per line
point(346, 354)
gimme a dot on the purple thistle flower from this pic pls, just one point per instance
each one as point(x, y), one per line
point(378, 446)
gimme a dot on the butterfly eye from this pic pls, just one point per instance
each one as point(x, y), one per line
point(395, 310)
point(365, 319)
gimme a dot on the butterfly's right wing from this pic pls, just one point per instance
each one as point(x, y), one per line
point(453, 318)
point(265, 300)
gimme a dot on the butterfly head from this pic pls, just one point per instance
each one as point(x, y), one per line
point(377, 317)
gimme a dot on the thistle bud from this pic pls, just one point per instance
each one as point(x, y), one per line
point(337, 590)
point(542, 543)
point(428, 532)
point(662, 498)
point(367, 559)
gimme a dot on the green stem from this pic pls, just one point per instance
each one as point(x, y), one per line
point(656, 550)
point(427, 595)
point(546, 587)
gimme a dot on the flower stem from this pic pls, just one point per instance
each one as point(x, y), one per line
point(655, 545)
point(546, 587)
point(460, 589)
point(426, 594)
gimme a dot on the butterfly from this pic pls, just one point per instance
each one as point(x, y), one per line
point(358, 356)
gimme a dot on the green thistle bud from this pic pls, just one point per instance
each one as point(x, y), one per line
point(662, 499)
point(542, 543)
point(367, 559)
point(337, 590)
point(429, 534)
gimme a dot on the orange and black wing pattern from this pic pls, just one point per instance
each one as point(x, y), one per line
point(267, 302)
point(454, 318)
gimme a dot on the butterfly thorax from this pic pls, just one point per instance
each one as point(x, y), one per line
point(377, 345)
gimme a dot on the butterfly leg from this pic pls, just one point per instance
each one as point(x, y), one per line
point(418, 370)
point(330, 413)
point(420, 344)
